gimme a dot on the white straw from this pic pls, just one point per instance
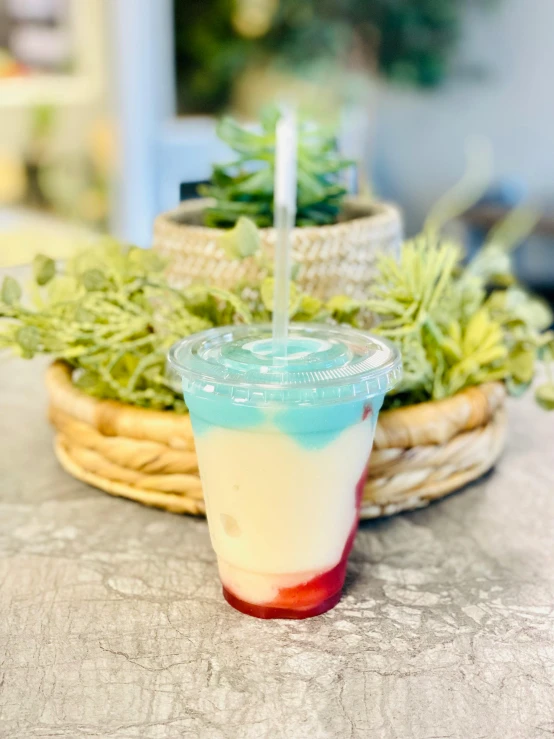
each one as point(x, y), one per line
point(284, 219)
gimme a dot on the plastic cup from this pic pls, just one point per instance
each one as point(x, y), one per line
point(283, 445)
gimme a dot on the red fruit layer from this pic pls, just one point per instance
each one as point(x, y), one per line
point(267, 612)
point(312, 598)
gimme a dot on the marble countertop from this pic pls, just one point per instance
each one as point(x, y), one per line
point(112, 623)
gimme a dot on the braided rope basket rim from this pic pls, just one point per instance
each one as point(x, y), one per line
point(331, 259)
point(420, 453)
point(381, 214)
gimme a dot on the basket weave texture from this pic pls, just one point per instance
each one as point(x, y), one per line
point(420, 453)
point(336, 259)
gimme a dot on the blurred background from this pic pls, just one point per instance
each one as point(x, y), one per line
point(107, 107)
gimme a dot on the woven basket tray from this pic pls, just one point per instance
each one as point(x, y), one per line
point(420, 453)
point(332, 260)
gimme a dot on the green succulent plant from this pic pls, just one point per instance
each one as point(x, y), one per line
point(245, 187)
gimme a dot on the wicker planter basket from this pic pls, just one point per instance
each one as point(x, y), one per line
point(420, 453)
point(336, 259)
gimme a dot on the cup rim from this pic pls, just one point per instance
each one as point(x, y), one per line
point(370, 365)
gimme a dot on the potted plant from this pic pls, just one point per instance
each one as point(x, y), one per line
point(109, 317)
point(408, 42)
point(336, 239)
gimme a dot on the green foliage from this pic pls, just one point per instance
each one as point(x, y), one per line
point(241, 241)
point(544, 396)
point(11, 292)
point(112, 316)
point(246, 186)
point(44, 269)
point(407, 41)
point(209, 54)
point(452, 333)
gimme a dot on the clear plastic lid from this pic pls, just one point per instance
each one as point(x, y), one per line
point(323, 364)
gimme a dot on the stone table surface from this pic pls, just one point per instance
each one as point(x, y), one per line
point(112, 623)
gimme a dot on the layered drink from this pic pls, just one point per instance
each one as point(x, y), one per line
point(283, 445)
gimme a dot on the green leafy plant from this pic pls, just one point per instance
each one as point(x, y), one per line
point(408, 41)
point(452, 330)
point(245, 187)
point(111, 314)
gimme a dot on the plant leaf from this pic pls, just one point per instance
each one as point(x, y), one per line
point(241, 241)
point(84, 316)
point(267, 294)
point(63, 288)
point(240, 139)
point(28, 338)
point(145, 261)
point(11, 291)
point(309, 308)
point(44, 269)
point(342, 308)
point(544, 395)
point(259, 183)
point(521, 363)
point(269, 117)
point(94, 279)
point(516, 389)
